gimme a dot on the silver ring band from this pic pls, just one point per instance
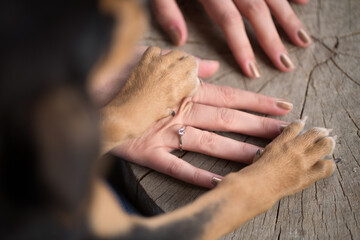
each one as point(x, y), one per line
point(181, 133)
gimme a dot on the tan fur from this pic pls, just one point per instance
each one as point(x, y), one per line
point(287, 165)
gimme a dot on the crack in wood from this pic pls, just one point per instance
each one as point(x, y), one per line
point(145, 174)
point(307, 86)
point(353, 121)
point(267, 82)
point(341, 70)
point(352, 154)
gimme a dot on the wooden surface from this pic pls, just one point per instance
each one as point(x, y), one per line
point(325, 86)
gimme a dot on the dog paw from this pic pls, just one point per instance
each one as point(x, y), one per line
point(294, 161)
point(156, 85)
point(166, 79)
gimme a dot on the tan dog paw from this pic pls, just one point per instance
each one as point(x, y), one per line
point(156, 85)
point(292, 161)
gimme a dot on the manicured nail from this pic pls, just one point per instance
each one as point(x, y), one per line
point(285, 59)
point(283, 126)
point(304, 36)
point(174, 35)
point(254, 69)
point(215, 180)
point(284, 105)
point(258, 153)
point(337, 160)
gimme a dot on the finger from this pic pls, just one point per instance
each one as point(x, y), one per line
point(257, 12)
point(290, 132)
point(171, 20)
point(207, 68)
point(214, 145)
point(300, 1)
point(227, 17)
point(286, 17)
point(173, 166)
point(229, 120)
point(322, 148)
point(224, 96)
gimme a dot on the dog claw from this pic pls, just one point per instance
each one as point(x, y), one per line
point(304, 119)
point(337, 160)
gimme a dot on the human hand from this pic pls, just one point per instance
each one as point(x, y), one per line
point(228, 14)
point(211, 108)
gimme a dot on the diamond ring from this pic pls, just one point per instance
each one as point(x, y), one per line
point(181, 133)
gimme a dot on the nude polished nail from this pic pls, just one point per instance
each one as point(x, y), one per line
point(284, 105)
point(254, 69)
point(174, 35)
point(215, 180)
point(286, 60)
point(283, 126)
point(304, 36)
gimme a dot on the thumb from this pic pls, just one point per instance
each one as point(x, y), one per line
point(171, 20)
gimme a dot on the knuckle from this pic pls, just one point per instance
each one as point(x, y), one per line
point(196, 176)
point(266, 123)
point(206, 140)
point(225, 117)
point(174, 168)
point(227, 94)
point(262, 100)
point(229, 18)
point(254, 8)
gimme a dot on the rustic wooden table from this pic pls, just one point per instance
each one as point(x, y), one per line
point(325, 86)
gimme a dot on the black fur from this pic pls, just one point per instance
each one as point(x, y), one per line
point(46, 48)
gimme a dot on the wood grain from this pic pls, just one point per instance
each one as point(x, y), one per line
point(325, 86)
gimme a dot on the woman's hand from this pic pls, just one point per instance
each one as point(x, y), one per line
point(227, 14)
point(213, 109)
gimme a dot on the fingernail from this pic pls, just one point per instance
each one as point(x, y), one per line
point(337, 160)
point(215, 181)
point(258, 153)
point(254, 69)
point(304, 36)
point(285, 59)
point(283, 126)
point(284, 105)
point(304, 119)
point(174, 35)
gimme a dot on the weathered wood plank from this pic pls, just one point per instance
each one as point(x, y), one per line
point(325, 86)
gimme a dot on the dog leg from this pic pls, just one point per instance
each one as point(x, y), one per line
point(287, 165)
point(130, 23)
